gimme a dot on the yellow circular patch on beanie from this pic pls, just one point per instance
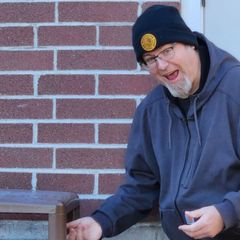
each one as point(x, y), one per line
point(148, 42)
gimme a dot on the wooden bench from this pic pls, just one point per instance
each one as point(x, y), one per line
point(59, 206)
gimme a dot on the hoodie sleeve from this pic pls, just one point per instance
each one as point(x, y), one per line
point(228, 213)
point(139, 194)
point(234, 197)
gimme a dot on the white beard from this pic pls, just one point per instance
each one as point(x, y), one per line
point(181, 89)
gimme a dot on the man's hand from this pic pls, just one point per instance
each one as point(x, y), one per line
point(84, 229)
point(209, 223)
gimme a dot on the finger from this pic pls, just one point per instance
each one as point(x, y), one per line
point(194, 227)
point(195, 230)
point(72, 234)
point(73, 224)
point(198, 234)
point(192, 232)
point(80, 232)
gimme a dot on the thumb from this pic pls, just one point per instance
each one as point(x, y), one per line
point(195, 213)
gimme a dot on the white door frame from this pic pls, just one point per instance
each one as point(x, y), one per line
point(192, 12)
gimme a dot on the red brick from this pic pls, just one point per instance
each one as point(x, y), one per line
point(81, 183)
point(88, 206)
point(66, 84)
point(95, 108)
point(96, 59)
point(15, 180)
point(113, 133)
point(16, 85)
point(105, 179)
point(16, 36)
point(115, 36)
point(26, 157)
point(26, 109)
point(126, 84)
point(33, 60)
point(16, 133)
point(148, 4)
point(67, 35)
point(90, 158)
point(27, 12)
point(66, 133)
point(98, 12)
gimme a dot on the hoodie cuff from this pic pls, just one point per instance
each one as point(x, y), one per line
point(104, 221)
point(227, 211)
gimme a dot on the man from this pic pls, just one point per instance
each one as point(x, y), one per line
point(183, 150)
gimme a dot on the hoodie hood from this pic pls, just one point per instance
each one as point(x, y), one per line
point(221, 62)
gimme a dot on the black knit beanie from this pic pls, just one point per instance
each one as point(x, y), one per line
point(159, 25)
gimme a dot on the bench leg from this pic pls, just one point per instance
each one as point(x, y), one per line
point(74, 214)
point(56, 227)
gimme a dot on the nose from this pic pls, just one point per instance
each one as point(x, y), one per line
point(161, 64)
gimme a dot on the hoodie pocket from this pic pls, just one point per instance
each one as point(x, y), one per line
point(170, 221)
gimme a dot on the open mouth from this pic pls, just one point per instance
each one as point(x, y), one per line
point(172, 76)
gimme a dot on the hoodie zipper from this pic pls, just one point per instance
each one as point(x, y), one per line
point(187, 166)
point(186, 169)
point(185, 120)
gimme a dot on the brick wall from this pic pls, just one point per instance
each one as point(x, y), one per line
point(69, 86)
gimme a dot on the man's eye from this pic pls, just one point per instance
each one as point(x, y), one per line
point(166, 51)
point(150, 60)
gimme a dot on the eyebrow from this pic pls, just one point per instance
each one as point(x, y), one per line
point(150, 55)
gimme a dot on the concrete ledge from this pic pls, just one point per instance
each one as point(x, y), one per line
point(23, 230)
point(142, 231)
point(38, 230)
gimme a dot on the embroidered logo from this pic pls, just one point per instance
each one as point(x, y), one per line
point(148, 42)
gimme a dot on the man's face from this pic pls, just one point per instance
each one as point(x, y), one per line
point(177, 67)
